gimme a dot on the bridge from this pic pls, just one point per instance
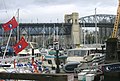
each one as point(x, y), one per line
point(101, 18)
point(105, 22)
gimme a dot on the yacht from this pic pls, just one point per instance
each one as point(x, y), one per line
point(49, 59)
point(83, 55)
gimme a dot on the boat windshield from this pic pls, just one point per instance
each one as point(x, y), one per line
point(77, 52)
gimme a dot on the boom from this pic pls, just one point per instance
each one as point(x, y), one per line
point(116, 24)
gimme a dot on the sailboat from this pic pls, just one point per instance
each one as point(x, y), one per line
point(9, 62)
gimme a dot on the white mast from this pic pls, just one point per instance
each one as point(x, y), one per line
point(7, 44)
point(43, 36)
point(96, 41)
point(18, 34)
point(57, 39)
point(49, 37)
point(10, 36)
point(57, 36)
point(84, 33)
point(54, 36)
point(2, 36)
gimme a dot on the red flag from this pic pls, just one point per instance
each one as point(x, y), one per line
point(10, 24)
point(20, 45)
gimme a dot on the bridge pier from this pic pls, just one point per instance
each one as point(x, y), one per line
point(75, 31)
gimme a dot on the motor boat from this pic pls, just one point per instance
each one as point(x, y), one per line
point(81, 56)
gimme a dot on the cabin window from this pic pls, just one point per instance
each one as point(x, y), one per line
point(83, 52)
point(77, 52)
point(70, 53)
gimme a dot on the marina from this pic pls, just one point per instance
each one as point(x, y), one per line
point(78, 49)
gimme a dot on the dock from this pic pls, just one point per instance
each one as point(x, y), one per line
point(37, 76)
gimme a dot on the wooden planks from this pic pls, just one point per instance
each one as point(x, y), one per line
point(36, 76)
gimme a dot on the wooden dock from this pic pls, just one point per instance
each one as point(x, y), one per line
point(37, 76)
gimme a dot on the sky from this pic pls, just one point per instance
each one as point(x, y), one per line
point(53, 11)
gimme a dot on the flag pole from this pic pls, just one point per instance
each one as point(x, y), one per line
point(7, 44)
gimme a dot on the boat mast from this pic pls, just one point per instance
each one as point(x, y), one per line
point(49, 38)
point(18, 34)
point(54, 36)
point(43, 36)
point(96, 39)
point(10, 36)
point(57, 36)
point(7, 44)
point(84, 33)
point(57, 39)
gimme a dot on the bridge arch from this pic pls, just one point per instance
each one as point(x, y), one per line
point(101, 18)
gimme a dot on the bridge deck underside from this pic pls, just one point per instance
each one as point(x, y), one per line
point(48, 29)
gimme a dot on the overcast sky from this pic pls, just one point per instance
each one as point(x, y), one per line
point(46, 11)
